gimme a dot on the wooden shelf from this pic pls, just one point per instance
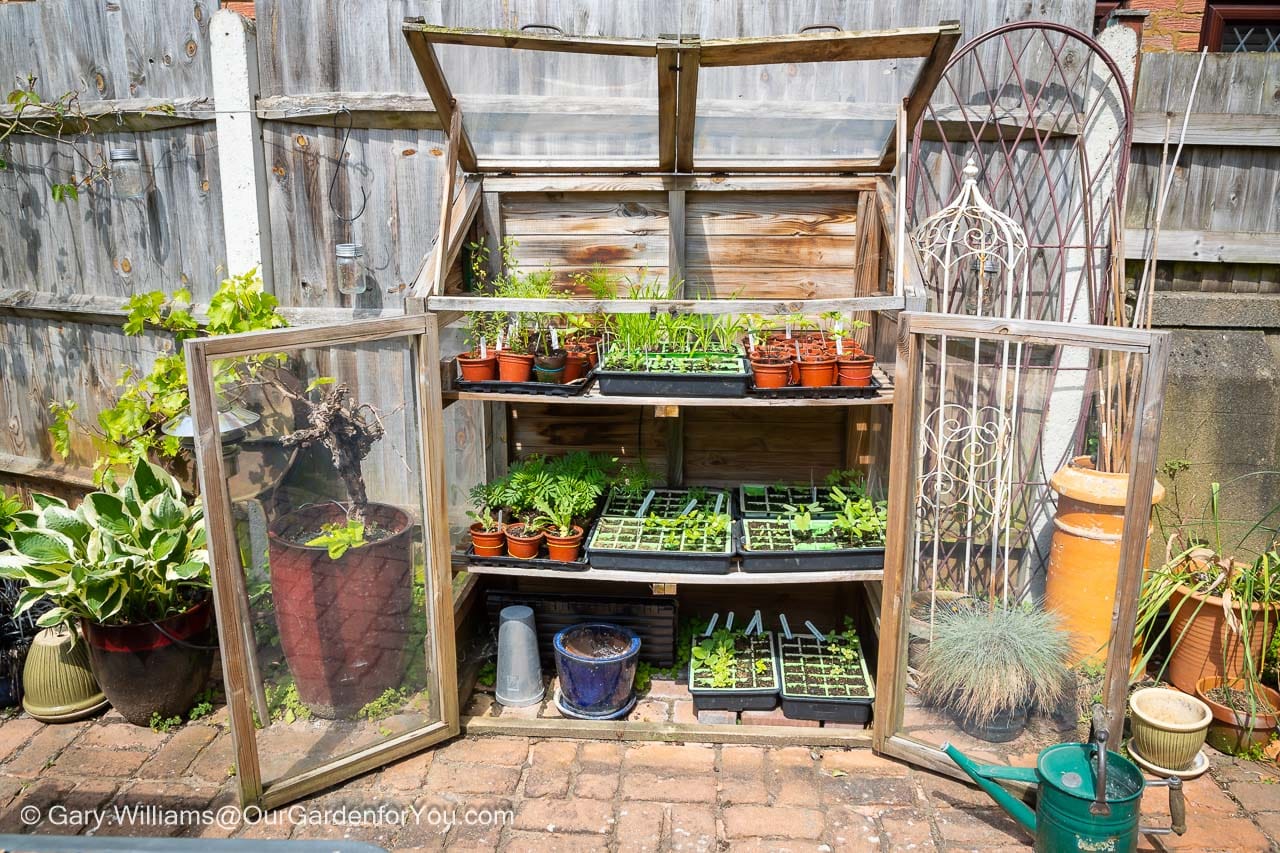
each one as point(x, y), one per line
point(594, 397)
point(735, 578)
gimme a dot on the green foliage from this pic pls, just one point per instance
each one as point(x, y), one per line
point(163, 725)
point(486, 502)
point(801, 517)
point(694, 528)
point(644, 676)
point(134, 552)
point(488, 675)
point(340, 537)
point(283, 703)
point(570, 497)
point(716, 657)
point(860, 520)
point(391, 701)
point(10, 514)
point(987, 661)
point(203, 705)
point(846, 648)
point(131, 429)
point(61, 121)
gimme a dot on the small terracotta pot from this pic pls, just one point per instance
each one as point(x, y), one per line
point(576, 366)
point(564, 548)
point(1238, 730)
point(855, 370)
point(477, 369)
point(514, 366)
point(771, 372)
point(817, 372)
point(520, 545)
point(487, 543)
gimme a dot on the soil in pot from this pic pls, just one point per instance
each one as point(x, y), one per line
point(477, 369)
point(153, 667)
point(487, 543)
point(855, 370)
point(1238, 724)
point(752, 684)
point(514, 366)
point(564, 548)
point(596, 667)
point(345, 624)
point(521, 544)
point(817, 372)
point(768, 372)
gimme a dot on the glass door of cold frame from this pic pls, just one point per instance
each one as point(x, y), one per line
point(986, 411)
point(331, 576)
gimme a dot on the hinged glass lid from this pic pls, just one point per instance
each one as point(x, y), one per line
point(538, 100)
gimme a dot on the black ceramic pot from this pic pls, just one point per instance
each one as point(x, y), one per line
point(153, 667)
point(1000, 729)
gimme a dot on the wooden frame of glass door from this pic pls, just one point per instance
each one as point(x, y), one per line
point(239, 662)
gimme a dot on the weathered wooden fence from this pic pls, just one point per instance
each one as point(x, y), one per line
point(144, 69)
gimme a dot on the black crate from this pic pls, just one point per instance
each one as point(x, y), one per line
point(684, 562)
point(530, 563)
point(652, 617)
point(812, 707)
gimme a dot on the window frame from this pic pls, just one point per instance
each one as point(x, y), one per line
point(1218, 15)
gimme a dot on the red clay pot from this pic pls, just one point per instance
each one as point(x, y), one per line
point(564, 548)
point(344, 624)
point(771, 372)
point(855, 370)
point(487, 543)
point(576, 366)
point(514, 366)
point(476, 369)
point(521, 546)
point(818, 372)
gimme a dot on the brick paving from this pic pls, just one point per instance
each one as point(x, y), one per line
point(567, 795)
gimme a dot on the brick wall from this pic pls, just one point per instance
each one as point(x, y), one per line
point(1171, 24)
point(244, 7)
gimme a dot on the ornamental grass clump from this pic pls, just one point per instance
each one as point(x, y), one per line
point(988, 662)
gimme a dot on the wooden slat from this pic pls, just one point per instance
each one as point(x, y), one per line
point(773, 214)
point(624, 730)
point(461, 215)
point(818, 253)
point(113, 116)
point(443, 235)
point(1218, 247)
point(677, 228)
point(666, 183)
point(438, 88)
point(931, 73)
point(1030, 331)
point(770, 282)
point(821, 47)
point(400, 110)
point(1252, 130)
point(528, 40)
point(686, 111)
point(644, 306)
point(361, 331)
point(584, 250)
point(582, 213)
point(735, 578)
point(668, 77)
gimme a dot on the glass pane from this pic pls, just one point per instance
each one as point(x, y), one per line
point(537, 104)
point(799, 111)
point(1251, 38)
point(1007, 635)
point(326, 489)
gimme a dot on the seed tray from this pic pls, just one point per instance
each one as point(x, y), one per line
point(667, 503)
point(762, 501)
point(779, 551)
point(823, 392)
point(528, 563)
point(805, 656)
point(548, 389)
point(761, 692)
point(657, 383)
point(615, 544)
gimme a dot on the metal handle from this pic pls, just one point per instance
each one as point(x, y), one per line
point(1177, 809)
point(813, 28)
point(551, 27)
point(1100, 806)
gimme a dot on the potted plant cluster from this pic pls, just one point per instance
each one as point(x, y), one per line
point(342, 571)
point(696, 542)
point(826, 678)
point(800, 539)
point(821, 357)
point(989, 665)
point(733, 671)
point(129, 565)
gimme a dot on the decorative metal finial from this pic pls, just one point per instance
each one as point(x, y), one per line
point(970, 171)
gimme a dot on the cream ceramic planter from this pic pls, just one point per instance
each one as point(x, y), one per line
point(1168, 726)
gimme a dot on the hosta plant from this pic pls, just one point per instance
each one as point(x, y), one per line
point(133, 552)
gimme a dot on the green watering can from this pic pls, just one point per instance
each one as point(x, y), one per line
point(1083, 803)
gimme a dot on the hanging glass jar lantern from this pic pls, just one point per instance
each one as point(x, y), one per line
point(350, 268)
point(126, 172)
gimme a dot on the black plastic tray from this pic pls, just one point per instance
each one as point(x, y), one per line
point(807, 561)
point(828, 710)
point(823, 392)
point(548, 389)
point(676, 562)
point(531, 563)
point(626, 383)
point(731, 699)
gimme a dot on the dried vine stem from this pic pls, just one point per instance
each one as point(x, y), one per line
point(348, 430)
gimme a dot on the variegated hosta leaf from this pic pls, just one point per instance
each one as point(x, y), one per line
point(108, 513)
point(164, 513)
point(55, 616)
point(42, 546)
point(42, 501)
point(65, 521)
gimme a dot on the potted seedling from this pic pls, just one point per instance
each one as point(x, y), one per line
point(826, 678)
point(341, 571)
point(486, 529)
point(572, 498)
point(699, 542)
point(129, 565)
point(988, 665)
point(733, 671)
point(480, 363)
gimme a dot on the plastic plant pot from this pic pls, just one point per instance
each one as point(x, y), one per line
point(565, 549)
point(596, 665)
point(487, 543)
point(812, 689)
point(855, 370)
point(519, 678)
point(817, 372)
point(476, 369)
point(520, 544)
point(576, 366)
point(514, 366)
point(770, 372)
point(549, 375)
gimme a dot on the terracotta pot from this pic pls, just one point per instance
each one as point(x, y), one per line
point(487, 543)
point(818, 372)
point(344, 624)
point(855, 370)
point(514, 366)
point(153, 667)
point(576, 366)
point(1168, 726)
point(1207, 646)
point(522, 546)
point(1238, 730)
point(1084, 556)
point(771, 372)
point(476, 369)
point(564, 548)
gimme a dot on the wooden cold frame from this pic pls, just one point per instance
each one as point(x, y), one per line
point(230, 595)
point(1152, 348)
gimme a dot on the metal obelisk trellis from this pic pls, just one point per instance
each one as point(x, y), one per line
point(966, 464)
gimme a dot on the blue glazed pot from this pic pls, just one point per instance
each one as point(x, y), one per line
point(596, 663)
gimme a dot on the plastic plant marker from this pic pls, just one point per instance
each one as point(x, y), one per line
point(813, 630)
point(728, 622)
point(711, 626)
point(786, 628)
